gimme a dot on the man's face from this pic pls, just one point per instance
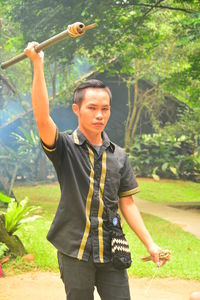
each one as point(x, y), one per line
point(94, 112)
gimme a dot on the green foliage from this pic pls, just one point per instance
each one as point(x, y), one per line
point(12, 43)
point(187, 125)
point(17, 214)
point(4, 198)
point(28, 141)
point(33, 161)
point(10, 161)
point(27, 161)
point(165, 39)
point(157, 156)
point(3, 249)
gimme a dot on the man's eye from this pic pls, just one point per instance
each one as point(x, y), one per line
point(93, 108)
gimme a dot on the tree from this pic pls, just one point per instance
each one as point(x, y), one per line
point(154, 42)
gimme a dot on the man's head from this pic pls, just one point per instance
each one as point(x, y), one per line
point(91, 104)
point(92, 83)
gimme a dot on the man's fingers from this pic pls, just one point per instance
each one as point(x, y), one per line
point(158, 256)
point(164, 256)
point(31, 46)
point(31, 53)
point(161, 263)
point(158, 259)
point(155, 258)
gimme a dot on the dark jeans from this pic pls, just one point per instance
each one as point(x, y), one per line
point(80, 277)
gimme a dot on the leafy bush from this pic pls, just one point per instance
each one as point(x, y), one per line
point(168, 157)
point(33, 164)
point(17, 214)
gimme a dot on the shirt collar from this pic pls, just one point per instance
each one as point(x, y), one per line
point(80, 139)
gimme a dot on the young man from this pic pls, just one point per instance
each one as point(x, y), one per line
point(93, 174)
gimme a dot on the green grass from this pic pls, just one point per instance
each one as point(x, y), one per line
point(184, 262)
point(33, 237)
point(169, 190)
point(184, 249)
point(45, 196)
point(157, 191)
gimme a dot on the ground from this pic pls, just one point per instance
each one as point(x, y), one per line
point(48, 286)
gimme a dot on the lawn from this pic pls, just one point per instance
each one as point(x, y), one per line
point(184, 249)
point(184, 263)
point(158, 191)
point(169, 190)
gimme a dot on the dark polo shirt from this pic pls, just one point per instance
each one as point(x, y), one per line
point(88, 180)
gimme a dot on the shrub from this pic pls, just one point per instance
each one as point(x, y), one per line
point(157, 156)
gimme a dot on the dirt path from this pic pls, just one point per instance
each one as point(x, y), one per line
point(188, 220)
point(48, 286)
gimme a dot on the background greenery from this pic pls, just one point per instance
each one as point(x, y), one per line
point(152, 47)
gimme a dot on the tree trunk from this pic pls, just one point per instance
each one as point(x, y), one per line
point(12, 241)
point(54, 80)
point(137, 119)
point(14, 174)
point(132, 116)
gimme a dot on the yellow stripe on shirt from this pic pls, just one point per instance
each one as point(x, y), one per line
point(88, 206)
point(101, 206)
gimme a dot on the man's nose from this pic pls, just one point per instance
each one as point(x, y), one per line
point(99, 115)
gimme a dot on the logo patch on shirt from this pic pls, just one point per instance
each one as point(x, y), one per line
point(115, 221)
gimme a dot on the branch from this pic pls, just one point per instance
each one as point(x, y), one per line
point(164, 7)
point(142, 18)
point(138, 115)
point(129, 112)
point(7, 83)
point(151, 8)
point(18, 117)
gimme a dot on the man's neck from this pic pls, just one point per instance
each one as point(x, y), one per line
point(93, 138)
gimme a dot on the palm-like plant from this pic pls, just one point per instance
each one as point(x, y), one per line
point(18, 214)
point(29, 150)
point(27, 140)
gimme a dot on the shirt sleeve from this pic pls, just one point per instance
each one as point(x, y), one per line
point(54, 153)
point(128, 183)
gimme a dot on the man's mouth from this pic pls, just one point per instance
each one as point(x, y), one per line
point(98, 124)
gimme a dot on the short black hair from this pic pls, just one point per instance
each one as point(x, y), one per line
point(92, 83)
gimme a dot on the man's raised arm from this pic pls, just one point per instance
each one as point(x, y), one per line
point(40, 100)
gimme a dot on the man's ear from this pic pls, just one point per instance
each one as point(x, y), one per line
point(75, 109)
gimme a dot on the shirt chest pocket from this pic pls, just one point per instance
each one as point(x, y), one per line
point(113, 177)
